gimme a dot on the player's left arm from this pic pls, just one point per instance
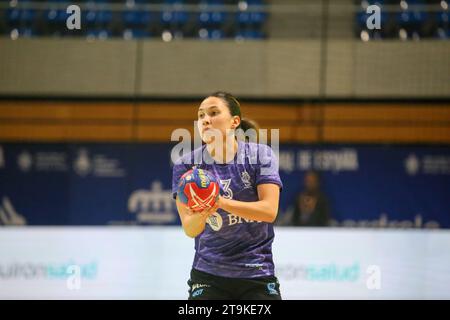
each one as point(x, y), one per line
point(265, 209)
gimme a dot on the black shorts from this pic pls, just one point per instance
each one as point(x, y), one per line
point(205, 286)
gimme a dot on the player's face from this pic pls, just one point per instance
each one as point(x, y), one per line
point(214, 117)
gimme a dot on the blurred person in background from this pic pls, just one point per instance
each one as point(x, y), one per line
point(311, 208)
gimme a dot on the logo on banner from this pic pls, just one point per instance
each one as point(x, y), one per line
point(97, 165)
point(39, 161)
point(287, 161)
point(9, 216)
point(38, 270)
point(25, 161)
point(326, 272)
point(345, 159)
point(412, 164)
point(435, 164)
point(82, 164)
point(152, 206)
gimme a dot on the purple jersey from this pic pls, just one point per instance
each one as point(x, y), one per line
point(231, 246)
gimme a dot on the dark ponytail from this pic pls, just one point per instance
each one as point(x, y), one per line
point(247, 123)
point(252, 135)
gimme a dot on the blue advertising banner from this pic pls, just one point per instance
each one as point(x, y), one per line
point(130, 184)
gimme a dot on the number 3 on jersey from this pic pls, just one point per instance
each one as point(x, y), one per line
point(228, 193)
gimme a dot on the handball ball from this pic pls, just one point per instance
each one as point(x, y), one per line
point(198, 189)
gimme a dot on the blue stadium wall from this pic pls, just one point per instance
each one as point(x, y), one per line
point(130, 184)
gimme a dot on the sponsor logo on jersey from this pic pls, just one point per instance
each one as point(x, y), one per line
point(215, 221)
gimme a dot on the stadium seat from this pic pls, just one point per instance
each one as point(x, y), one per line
point(100, 21)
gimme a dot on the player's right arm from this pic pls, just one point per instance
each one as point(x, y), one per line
point(193, 222)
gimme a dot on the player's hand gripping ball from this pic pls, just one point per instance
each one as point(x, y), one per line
point(198, 189)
